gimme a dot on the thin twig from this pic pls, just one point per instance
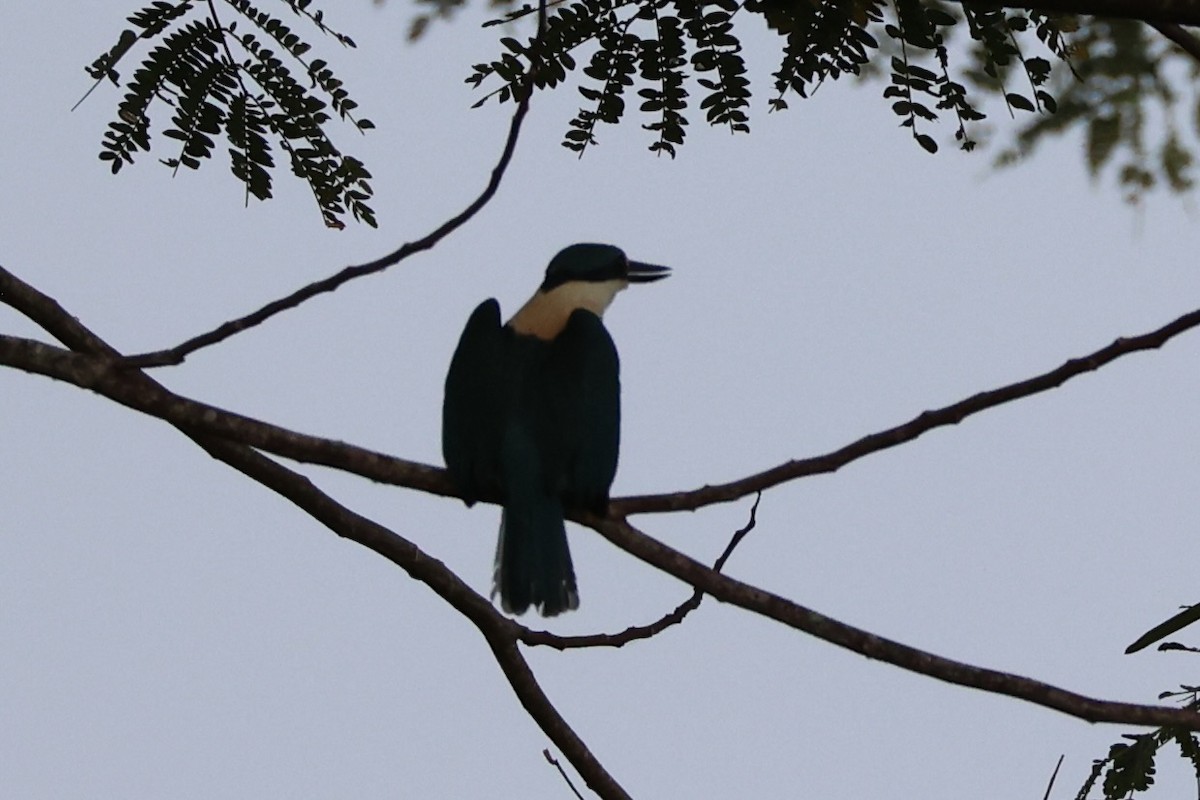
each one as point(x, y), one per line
point(1053, 776)
point(563, 772)
point(640, 632)
point(177, 354)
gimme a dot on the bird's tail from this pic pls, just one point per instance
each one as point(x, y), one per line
point(533, 563)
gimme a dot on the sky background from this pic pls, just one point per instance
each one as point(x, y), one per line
point(171, 629)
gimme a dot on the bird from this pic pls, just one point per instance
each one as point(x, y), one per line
point(531, 418)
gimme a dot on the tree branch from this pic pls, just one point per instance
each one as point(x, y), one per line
point(499, 631)
point(147, 396)
point(917, 426)
point(1185, 40)
point(135, 390)
point(93, 368)
point(794, 615)
point(177, 354)
point(98, 373)
point(81, 369)
point(639, 632)
point(1165, 15)
point(1182, 12)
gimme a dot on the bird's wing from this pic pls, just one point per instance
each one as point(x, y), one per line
point(582, 391)
point(473, 407)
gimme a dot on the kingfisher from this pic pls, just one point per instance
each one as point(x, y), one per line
point(532, 417)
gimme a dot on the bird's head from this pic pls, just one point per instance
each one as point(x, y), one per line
point(598, 263)
point(584, 276)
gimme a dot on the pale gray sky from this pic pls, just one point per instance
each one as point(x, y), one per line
point(172, 630)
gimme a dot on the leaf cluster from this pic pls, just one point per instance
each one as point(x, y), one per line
point(257, 100)
point(1129, 767)
point(1135, 102)
point(665, 49)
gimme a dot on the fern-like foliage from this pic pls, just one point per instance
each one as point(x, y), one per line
point(1129, 768)
point(253, 99)
point(824, 41)
point(663, 49)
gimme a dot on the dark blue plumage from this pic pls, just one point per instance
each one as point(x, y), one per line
point(532, 417)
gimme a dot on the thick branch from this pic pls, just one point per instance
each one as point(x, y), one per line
point(134, 389)
point(499, 631)
point(1185, 40)
point(529, 692)
point(141, 394)
point(97, 372)
point(1182, 12)
point(879, 648)
point(151, 398)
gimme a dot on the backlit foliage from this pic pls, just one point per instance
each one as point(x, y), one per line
point(940, 64)
point(1135, 101)
point(663, 51)
point(255, 86)
point(1129, 769)
point(1122, 84)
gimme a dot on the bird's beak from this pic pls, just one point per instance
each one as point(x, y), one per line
point(640, 272)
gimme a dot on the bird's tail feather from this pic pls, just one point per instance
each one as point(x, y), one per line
point(533, 563)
